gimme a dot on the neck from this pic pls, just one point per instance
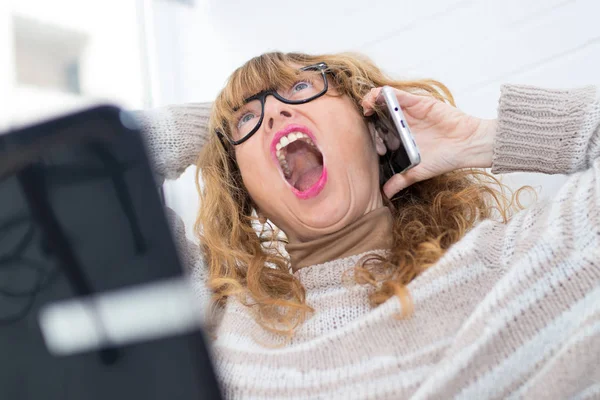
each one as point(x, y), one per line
point(370, 232)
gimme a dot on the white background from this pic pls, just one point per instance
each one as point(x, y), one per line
point(473, 46)
point(102, 35)
point(140, 53)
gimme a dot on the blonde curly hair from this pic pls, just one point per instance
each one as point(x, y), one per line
point(429, 216)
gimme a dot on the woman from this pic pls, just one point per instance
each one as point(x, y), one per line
point(413, 289)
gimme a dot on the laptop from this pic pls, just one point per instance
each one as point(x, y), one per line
point(93, 301)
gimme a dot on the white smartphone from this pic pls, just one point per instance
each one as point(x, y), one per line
point(402, 151)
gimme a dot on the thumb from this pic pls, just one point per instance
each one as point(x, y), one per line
point(399, 182)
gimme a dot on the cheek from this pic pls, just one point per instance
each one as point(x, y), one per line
point(255, 172)
point(349, 140)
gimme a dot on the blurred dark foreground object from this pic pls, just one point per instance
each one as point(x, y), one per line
point(93, 301)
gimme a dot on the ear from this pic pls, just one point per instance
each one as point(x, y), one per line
point(376, 136)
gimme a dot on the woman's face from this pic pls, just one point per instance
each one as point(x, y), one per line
point(304, 196)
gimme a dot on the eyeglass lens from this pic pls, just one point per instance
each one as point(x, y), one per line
point(308, 85)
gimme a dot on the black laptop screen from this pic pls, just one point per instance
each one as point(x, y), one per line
point(80, 215)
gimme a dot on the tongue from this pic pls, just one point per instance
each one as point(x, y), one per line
point(308, 178)
point(306, 164)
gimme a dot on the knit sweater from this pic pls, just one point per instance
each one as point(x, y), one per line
point(510, 311)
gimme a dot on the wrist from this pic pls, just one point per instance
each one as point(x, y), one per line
point(480, 148)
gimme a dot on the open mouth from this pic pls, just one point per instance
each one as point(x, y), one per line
point(301, 162)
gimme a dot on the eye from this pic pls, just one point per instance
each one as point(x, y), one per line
point(298, 86)
point(245, 119)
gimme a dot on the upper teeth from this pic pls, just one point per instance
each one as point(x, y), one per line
point(285, 140)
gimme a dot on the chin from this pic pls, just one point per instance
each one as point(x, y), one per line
point(329, 214)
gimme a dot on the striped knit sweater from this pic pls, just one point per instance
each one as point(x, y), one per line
point(510, 311)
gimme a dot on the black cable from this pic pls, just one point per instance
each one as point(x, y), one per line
point(15, 256)
point(16, 317)
point(41, 282)
point(20, 247)
point(20, 314)
point(34, 188)
point(33, 184)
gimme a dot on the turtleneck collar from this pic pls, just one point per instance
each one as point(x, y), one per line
point(370, 232)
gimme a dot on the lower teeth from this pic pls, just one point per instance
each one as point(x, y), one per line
point(285, 169)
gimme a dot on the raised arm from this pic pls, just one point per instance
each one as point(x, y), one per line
point(545, 130)
point(538, 130)
point(542, 268)
point(174, 136)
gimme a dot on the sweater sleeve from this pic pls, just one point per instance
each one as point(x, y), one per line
point(174, 136)
point(545, 130)
point(553, 132)
point(535, 334)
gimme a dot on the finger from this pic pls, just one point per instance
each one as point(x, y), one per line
point(369, 100)
point(399, 182)
point(367, 103)
point(406, 99)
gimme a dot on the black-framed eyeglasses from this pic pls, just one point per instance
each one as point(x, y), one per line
point(310, 84)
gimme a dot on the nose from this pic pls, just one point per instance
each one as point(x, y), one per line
point(276, 112)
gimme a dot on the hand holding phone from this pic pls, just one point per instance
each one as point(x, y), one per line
point(450, 138)
point(402, 151)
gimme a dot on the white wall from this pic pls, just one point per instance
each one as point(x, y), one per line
point(6, 64)
point(473, 46)
point(108, 48)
